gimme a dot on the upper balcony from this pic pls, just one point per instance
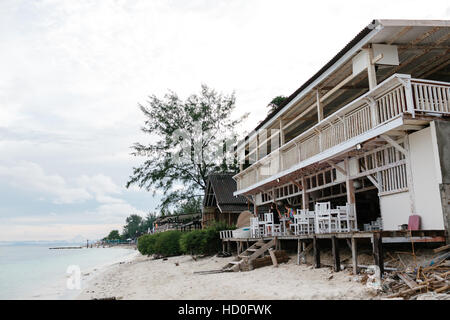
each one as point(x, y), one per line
point(397, 102)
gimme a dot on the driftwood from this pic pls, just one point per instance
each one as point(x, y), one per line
point(432, 276)
point(443, 248)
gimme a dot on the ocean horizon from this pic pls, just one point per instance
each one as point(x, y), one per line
point(30, 270)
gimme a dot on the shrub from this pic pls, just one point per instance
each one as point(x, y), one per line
point(163, 243)
point(212, 234)
point(168, 243)
point(146, 243)
point(193, 242)
point(171, 243)
point(205, 241)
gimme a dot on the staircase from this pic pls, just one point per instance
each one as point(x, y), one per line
point(244, 261)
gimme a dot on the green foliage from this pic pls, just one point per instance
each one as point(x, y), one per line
point(195, 130)
point(190, 206)
point(213, 242)
point(164, 243)
point(146, 243)
point(172, 243)
point(113, 235)
point(193, 242)
point(275, 103)
point(132, 227)
point(205, 241)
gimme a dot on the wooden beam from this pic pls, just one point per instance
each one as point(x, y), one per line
point(319, 106)
point(299, 251)
point(371, 74)
point(349, 187)
point(316, 252)
point(338, 168)
point(394, 144)
point(375, 182)
point(399, 34)
point(297, 184)
point(335, 250)
point(378, 251)
point(355, 256)
point(273, 257)
point(305, 195)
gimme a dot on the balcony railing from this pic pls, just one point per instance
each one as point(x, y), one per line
point(397, 95)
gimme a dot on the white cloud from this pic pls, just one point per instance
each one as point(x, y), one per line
point(30, 176)
point(74, 72)
point(98, 184)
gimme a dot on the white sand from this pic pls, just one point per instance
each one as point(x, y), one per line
point(144, 278)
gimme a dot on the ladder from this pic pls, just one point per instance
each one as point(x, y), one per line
point(244, 261)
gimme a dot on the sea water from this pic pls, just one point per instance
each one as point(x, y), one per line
point(36, 272)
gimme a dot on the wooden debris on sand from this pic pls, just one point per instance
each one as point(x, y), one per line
point(431, 276)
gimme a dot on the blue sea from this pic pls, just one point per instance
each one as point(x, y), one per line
point(36, 272)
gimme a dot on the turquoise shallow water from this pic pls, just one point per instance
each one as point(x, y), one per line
point(36, 272)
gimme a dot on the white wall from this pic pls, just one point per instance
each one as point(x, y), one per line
point(426, 179)
point(395, 210)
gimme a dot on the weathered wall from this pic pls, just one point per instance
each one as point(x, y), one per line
point(395, 210)
point(442, 137)
point(442, 129)
point(426, 179)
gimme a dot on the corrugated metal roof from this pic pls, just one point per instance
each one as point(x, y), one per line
point(223, 186)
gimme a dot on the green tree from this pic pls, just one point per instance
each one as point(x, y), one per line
point(147, 222)
point(132, 227)
point(113, 235)
point(190, 206)
point(275, 103)
point(190, 140)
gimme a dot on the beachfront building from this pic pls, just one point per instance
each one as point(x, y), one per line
point(219, 203)
point(183, 222)
point(370, 132)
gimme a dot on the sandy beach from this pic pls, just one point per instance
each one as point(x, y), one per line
point(174, 278)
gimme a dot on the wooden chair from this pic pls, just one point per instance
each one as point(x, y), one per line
point(296, 224)
point(254, 227)
point(271, 229)
point(347, 218)
point(324, 221)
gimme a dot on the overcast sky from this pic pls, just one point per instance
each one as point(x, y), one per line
point(73, 72)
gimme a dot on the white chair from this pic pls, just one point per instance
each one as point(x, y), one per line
point(254, 227)
point(347, 218)
point(271, 229)
point(325, 222)
point(307, 223)
point(296, 224)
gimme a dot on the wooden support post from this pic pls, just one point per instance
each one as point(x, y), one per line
point(316, 252)
point(355, 256)
point(299, 251)
point(223, 246)
point(349, 184)
point(378, 251)
point(228, 246)
point(273, 257)
point(281, 133)
point(319, 107)
point(335, 250)
point(238, 246)
point(305, 196)
point(371, 74)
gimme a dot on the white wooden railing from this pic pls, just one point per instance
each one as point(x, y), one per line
point(226, 234)
point(397, 95)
